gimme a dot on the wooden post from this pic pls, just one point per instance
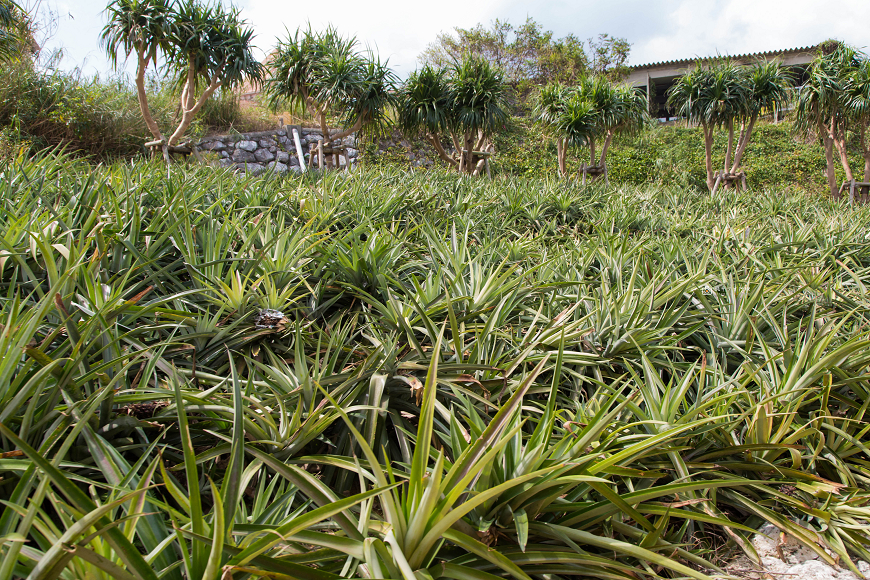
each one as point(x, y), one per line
point(488, 171)
point(648, 95)
point(852, 192)
point(299, 150)
point(320, 154)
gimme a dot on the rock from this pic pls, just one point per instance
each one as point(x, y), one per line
point(213, 146)
point(352, 152)
point(226, 162)
point(342, 161)
point(252, 168)
point(294, 161)
point(282, 156)
point(247, 145)
point(224, 154)
point(314, 137)
point(295, 168)
point(350, 140)
point(273, 149)
point(264, 155)
point(243, 156)
point(797, 560)
point(266, 143)
point(277, 167)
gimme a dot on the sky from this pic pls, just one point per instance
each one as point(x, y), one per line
point(400, 29)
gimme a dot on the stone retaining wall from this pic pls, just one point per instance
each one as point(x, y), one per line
point(270, 150)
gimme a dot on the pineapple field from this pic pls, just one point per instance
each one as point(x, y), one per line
point(423, 375)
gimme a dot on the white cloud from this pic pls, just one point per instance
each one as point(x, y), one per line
point(400, 30)
point(707, 27)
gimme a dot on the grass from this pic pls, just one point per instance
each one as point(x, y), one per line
point(394, 375)
point(41, 107)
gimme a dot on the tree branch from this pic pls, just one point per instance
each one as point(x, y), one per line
point(436, 143)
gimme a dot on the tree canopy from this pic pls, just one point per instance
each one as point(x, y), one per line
point(723, 94)
point(325, 73)
point(16, 31)
point(592, 111)
point(208, 46)
point(835, 100)
point(464, 102)
point(530, 55)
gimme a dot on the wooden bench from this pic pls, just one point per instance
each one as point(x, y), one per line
point(854, 185)
point(326, 152)
point(183, 149)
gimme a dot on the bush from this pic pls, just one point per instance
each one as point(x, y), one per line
point(100, 118)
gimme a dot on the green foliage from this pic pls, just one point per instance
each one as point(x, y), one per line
point(206, 47)
point(465, 103)
point(671, 156)
point(326, 73)
point(100, 118)
point(529, 55)
point(394, 375)
point(16, 31)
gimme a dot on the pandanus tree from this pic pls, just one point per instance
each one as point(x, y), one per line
point(325, 73)
point(858, 94)
point(464, 104)
point(722, 95)
point(594, 111)
point(834, 100)
point(208, 47)
point(9, 38)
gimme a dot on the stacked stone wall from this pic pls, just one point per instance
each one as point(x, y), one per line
point(272, 150)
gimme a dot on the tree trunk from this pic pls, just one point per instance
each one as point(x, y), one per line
point(604, 148)
point(708, 154)
point(143, 97)
point(730, 147)
point(191, 107)
point(468, 165)
point(592, 158)
point(357, 125)
point(744, 141)
point(839, 139)
point(560, 156)
point(829, 159)
point(865, 151)
point(481, 139)
point(436, 143)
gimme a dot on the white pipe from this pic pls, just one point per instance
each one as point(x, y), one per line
point(299, 151)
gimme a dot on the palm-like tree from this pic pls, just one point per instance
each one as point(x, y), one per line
point(723, 94)
point(550, 112)
point(212, 47)
point(595, 109)
point(423, 107)
point(858, 95)
point(208, 46)
point(823, 103)
point(12, 20)
point(478, 99)
point(713, 97)
point(325, 73)
point(769, 88)
point(466, 103)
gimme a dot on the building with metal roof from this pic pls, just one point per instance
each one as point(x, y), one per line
point(658, 77)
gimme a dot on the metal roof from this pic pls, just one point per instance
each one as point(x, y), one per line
point(736, 56)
